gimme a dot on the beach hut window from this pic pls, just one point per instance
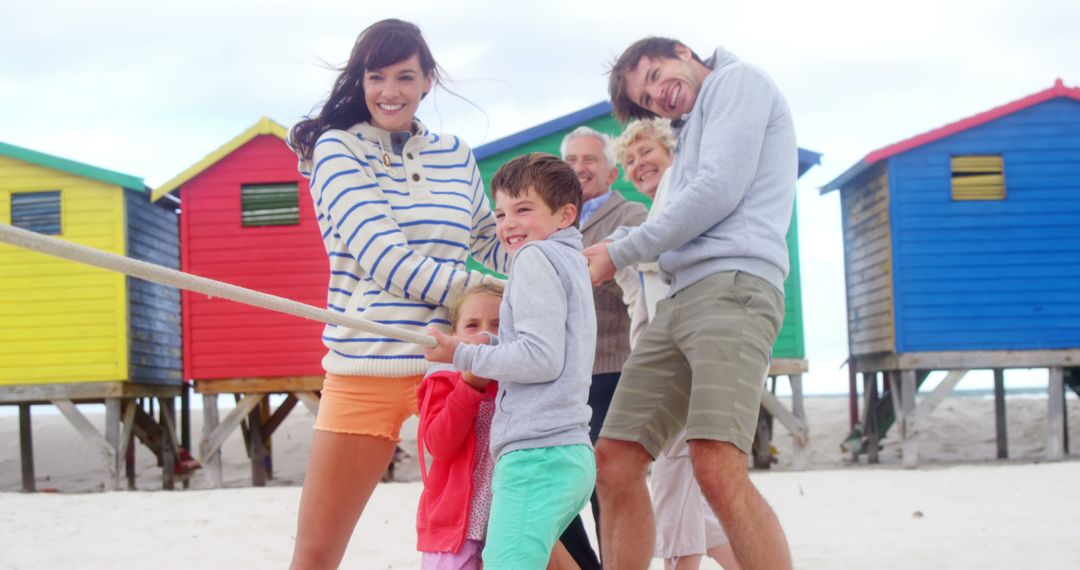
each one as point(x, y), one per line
point(978, 177)
point(36, 211)
point(270, 204)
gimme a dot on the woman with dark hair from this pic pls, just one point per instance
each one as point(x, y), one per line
point(400, 210)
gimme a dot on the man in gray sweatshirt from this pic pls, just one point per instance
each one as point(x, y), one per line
point(720, 243)
point(543, 360)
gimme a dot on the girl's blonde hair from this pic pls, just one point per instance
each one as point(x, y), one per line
point(657, 128)
point(481, 289)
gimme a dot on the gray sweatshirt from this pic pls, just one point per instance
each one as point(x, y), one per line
point(543, 356)
point(732, 185)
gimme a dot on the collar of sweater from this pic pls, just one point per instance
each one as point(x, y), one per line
point(390, 142)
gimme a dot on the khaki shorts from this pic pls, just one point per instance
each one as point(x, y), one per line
point(366, 405)
point(700, 363)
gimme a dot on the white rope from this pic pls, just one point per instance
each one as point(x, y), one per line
point(152, 272)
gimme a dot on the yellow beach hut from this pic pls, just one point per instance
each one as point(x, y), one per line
point(71, 333)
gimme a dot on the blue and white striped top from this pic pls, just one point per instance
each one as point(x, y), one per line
point(398, 227)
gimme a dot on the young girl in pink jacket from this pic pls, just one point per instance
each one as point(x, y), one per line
point(455, 422)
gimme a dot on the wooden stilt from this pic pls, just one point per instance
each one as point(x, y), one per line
point(127, 439)
point(212, 461)
point(112, 435)
point(1000, 426)
point(257, 447)
point(168, 447)
point(853, 392)
point(870, 416)
point(185, 424)
point(798, 460)
point(907, 400)
point(1055, 421)
point(26, 449)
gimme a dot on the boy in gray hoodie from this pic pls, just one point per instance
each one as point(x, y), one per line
point(542, 358)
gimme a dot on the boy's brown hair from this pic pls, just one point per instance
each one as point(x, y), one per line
point(651, 47)
point(547, 175)
point(482, 289)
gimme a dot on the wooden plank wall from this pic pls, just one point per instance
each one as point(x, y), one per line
point(223, 339)
point(868, 264)
point(153, 310)
point(62, 321)
point(993, 274)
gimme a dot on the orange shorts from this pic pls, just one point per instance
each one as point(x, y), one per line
point(367, 405)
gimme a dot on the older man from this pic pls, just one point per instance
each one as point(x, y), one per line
point(721, 242)
point(592, 156)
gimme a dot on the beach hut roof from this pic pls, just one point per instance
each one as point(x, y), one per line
point(807, 158)
point(265, 126)
point(72, 167)
point(1058, 90)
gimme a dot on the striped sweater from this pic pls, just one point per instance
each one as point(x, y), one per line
point(398, 223)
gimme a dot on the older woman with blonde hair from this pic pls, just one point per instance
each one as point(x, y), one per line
point(686, 527)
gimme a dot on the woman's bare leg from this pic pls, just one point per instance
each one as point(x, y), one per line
point(343, 470)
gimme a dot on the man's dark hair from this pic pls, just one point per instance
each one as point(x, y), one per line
point(652, 47)
point(545, 174)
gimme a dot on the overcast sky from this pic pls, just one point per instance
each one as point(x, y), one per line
point(146, 88)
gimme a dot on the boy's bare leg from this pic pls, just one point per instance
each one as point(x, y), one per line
point(627, 530)
point(749, 521)
point(343, 470)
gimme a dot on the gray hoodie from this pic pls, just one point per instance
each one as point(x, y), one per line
point(543, 356)
point(732, 184)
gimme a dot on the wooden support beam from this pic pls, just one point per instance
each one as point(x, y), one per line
point(909, 450)
point(310, 401)
point(212, 441)
point(969, 359)
point(26, 449)
point(80, 391)
point(92, 437)
point(279, 416)
point(870, 392)
point(257, 449)
point(127, 424)
point(1055, 420)
point(793, 424)
point(798, 460)
point(853, 393)
point(168, 443)
point(127, 437)
point(938, 395)
point(260, 385)
point(112, 435)
point(211, 461)
point(1000, 426)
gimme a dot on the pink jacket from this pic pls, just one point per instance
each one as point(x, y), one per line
point(448, 408)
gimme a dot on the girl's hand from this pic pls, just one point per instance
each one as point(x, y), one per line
point(444, 352)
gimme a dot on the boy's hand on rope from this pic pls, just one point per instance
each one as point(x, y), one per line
point(444, 351)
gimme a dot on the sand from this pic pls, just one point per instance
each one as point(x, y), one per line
point(960, 509)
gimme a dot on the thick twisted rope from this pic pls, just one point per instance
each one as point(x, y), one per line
point(152, 272)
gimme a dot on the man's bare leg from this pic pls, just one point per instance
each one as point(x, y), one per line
point(627, 530)
point(750, 523)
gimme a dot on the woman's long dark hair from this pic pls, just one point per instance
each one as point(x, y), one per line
point(383, 43)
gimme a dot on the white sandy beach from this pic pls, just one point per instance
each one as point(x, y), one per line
point(961, 509)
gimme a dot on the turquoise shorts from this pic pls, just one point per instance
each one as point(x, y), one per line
point(535, 495)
